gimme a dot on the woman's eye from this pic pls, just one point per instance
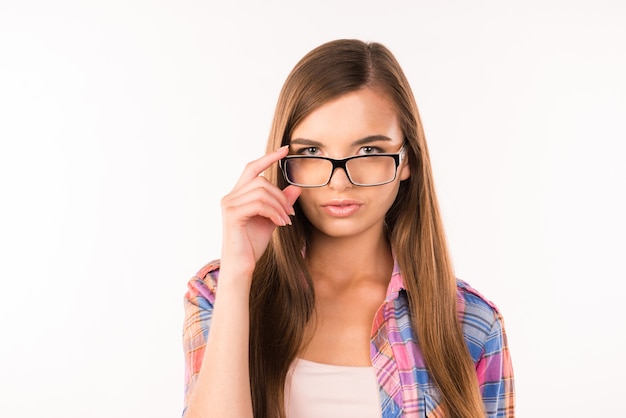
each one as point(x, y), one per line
point(308, 151)
point(370, 150)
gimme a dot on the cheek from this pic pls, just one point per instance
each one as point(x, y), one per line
point(393, 194)
point(305, 196)
point(381, 198)
point(305, 200)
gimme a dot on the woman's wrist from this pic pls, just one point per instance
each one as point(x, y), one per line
point(235, 279)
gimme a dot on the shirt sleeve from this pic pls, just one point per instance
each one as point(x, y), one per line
point(495, 373)
point(198, 302)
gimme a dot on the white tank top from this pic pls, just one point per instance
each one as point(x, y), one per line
point(315, 390)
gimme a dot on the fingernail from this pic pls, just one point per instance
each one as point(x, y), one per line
point(292, 211)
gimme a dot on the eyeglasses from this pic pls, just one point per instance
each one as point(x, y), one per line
point(361, 170)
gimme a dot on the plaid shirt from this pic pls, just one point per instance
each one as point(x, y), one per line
point(406, 388)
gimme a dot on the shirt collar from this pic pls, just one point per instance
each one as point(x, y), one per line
point(396, 284)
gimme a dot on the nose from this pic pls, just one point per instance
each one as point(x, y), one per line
point(339, 179)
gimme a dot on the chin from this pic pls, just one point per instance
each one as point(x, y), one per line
point(347, 228)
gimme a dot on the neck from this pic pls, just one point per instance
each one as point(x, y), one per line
point(351, 259)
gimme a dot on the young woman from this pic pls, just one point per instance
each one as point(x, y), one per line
point(335, 295)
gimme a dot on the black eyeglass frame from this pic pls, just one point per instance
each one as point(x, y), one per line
point(341, 163)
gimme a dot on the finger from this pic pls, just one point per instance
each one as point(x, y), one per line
point(260, 202)
point(255, 168)
point(241, 214)
point(292, 193)
point(261, 182)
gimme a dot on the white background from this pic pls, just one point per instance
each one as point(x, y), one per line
point(122, 123)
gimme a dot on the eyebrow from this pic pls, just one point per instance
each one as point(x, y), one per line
point(362, 141)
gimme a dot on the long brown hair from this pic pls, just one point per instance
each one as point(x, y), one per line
point(282, 296)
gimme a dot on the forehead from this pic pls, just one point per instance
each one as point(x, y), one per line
point(363, 113)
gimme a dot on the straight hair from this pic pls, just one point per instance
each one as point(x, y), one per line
point(282, 298)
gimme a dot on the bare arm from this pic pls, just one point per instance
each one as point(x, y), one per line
point(250, 213)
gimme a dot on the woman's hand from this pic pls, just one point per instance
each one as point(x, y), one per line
point(251, 211)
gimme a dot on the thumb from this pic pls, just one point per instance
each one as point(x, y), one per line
point(292, 193)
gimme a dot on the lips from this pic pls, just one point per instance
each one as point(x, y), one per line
point(342, 208)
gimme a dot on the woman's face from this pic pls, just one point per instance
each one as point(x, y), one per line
point(358, 123)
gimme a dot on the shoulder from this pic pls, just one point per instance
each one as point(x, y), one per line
point(468, 298)
point(480, 318)
point(203, 284)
